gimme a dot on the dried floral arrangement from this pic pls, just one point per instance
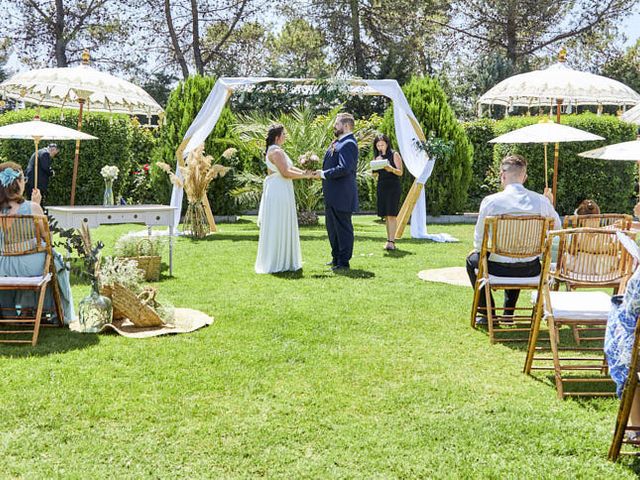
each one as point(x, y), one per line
point(199, 171)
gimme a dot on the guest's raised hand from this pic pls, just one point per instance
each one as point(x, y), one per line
point(36, 196)
point(547, 193)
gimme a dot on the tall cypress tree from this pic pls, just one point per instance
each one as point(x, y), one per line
point(182, 107)
point(446, 189)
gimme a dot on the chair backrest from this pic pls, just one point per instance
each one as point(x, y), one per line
point(591, 256)
point(601, 220)
point(517, 236)
point(24, 235)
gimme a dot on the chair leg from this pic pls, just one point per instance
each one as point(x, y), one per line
point(487, 294)
point(55, 290)
point(553, 337)
point(474, 306)
point(36, 327)
point(576, 334)
point(626, 402)
point(534, 332)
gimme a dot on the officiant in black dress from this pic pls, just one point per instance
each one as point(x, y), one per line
point(389, 186)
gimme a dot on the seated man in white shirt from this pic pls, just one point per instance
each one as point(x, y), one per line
point(514, 199)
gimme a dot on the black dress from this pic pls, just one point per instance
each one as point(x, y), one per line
point(389, 190)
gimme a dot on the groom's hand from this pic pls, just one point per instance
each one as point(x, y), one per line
point(316, 175)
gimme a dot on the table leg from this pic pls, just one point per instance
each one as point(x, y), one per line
point(170, 252)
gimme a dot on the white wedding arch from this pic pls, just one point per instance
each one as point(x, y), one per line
point(407, 128)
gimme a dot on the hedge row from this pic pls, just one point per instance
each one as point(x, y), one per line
point(121, 142)
point(611, 184)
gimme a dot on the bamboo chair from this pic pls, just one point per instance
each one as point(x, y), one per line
point(616, 221)
point(593, 257)
point(515, 236)
point(624, 410)
point(26, 235)
point(601, 220)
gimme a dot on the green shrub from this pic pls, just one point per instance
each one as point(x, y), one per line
point(611, 184)
point(479, 133)
point(120, 143)
point(184, 104)
point(446, 189)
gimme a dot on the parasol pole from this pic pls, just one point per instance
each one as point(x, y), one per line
point(76, 155)
point(82, 97)
point(546, 167)
point(35, 165)
point(562, 57)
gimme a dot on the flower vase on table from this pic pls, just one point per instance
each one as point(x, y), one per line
point(109, 173)
point(94, 311)
point(107, 198)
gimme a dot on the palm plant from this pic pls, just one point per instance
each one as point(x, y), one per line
point(307, 134)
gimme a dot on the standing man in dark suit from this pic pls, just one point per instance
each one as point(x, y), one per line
point(45, 156)
point(340, 191)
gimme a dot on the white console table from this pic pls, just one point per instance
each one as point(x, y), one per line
point(94, 216)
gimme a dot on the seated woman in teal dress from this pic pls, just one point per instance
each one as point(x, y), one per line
point(12, 184)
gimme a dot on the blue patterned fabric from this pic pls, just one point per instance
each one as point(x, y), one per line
point(621, 324)
point(8, 175)
point(31, 266)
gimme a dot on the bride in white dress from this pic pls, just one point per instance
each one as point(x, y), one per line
point(279, 244)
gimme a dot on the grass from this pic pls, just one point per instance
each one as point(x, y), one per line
point(372, 375)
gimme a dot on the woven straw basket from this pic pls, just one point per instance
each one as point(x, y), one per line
point(150, 265)
point(127, 305)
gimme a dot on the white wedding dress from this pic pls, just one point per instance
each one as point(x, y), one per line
point(279, 244)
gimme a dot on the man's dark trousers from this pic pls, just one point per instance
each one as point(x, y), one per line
point(519, 269)
point(340, 232)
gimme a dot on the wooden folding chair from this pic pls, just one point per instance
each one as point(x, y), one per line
point(594, 258)
point(514, 236)
point(27, 235)
point(602, 220)
point(624, 410)
point(616, 221)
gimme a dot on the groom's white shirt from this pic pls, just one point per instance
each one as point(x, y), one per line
point(339, 138)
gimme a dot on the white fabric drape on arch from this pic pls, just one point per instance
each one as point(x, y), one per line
point(407, 129)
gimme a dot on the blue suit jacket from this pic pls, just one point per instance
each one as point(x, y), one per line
point(340, 166)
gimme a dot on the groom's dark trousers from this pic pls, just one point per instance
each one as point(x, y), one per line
point(340, 196)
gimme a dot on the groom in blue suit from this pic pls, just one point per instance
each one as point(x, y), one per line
point(338, 176)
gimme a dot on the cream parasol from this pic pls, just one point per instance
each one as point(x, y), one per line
point(625, 151)
point(545, 132)
point(632, 116)
point(559, 85)
point(74, 87)
point(37, 130)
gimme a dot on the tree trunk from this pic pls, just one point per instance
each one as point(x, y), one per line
point(59, 30)
point(512, 36)
point(197, 54)
point(174, 40)
point(357, 41)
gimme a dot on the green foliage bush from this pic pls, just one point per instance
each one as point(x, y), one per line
point(479, 133)
point(610, 183)
point(446, 189)
point(182, 107)
point(121, 142)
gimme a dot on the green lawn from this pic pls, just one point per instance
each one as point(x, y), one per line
point(373, 375)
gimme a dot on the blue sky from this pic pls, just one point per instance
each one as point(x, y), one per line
point(632, 28)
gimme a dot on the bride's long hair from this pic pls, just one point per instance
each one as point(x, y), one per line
point(274, 132)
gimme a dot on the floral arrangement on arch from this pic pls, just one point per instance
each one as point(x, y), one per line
point(195, 176)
